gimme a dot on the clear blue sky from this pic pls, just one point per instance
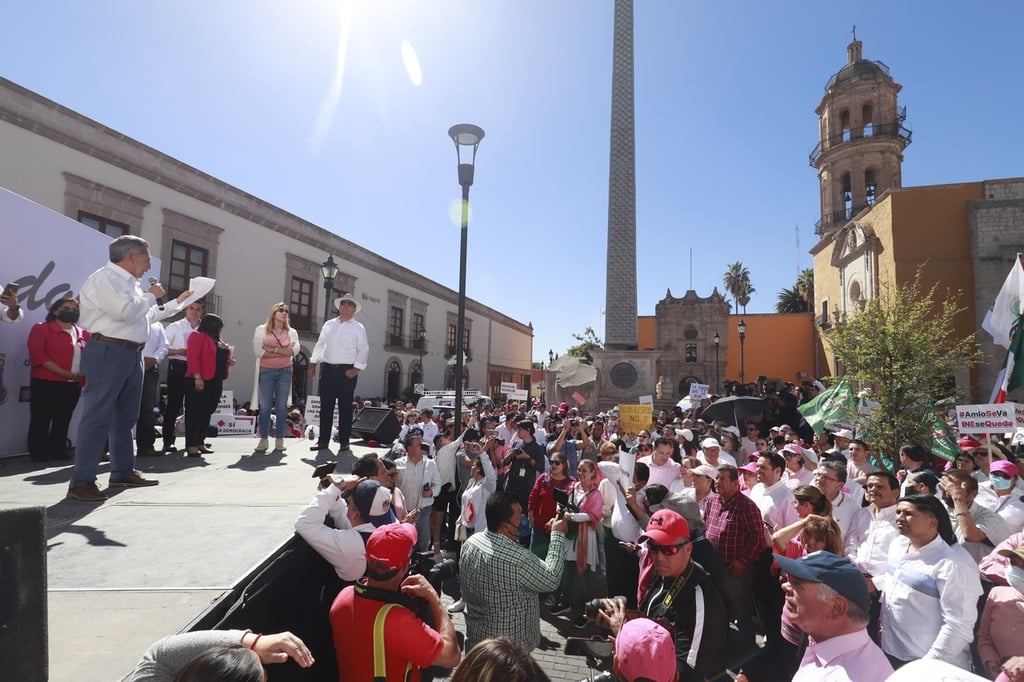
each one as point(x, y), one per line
point(725, 99)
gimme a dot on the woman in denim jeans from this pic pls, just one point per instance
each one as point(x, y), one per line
point(275, 344)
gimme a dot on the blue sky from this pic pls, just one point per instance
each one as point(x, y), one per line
point(725, 99)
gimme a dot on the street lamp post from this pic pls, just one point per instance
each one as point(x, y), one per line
point(742, 327)
point(329, 269)
point(718, 340)
point(422, 338)
point(464, 135)
point(551, 357)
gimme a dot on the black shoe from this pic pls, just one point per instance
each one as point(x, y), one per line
point(318, 447)
point(168, 449)
point(580, 623)
point(206, 451)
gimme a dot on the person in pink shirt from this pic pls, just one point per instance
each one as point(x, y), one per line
point(827, 597)
point(1000, 635)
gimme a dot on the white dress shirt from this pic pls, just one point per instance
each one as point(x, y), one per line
point(113, 304)
point(776, 505)
point(343, 546)
point(156, 344)
point(867, 542)
point(930, 602)
point(412, 477)
point(177, 337)
point(342, 343)
point(5, 318)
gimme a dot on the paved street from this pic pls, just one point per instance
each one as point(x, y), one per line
point(149, 561)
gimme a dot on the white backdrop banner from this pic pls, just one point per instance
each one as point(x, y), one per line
point(49, 255)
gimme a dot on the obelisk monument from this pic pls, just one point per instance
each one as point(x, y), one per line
point(620, 283)
point(624, 374)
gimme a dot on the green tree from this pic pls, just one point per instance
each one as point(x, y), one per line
point(588, 341)
point(904, 347)
point(799, 298)
point(736, 281)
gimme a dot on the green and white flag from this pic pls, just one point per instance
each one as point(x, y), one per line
point(835, 407)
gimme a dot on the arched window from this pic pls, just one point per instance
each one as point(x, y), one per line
point(300, 365)
point(867, 119)
point(870, 186)
point(394, 380)
point(847, 195)
point(844, 123)
point(415, 373)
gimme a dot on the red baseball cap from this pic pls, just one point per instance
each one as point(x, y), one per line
point(390, 546)
point(666, 527)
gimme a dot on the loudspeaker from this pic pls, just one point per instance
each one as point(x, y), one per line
point(376, 423)
point(23, 594)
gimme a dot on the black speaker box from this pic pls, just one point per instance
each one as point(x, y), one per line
point(376, 423)
point(23, 594)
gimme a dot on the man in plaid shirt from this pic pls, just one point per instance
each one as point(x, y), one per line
point(501, 579)
point(735, 527)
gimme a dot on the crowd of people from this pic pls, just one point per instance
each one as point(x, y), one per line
point(685, 540)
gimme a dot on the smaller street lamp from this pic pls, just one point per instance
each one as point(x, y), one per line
point(718, 340)
point(742, 327)
point(329, 269)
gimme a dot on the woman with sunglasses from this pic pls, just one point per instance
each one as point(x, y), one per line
point(275, 345)
point(54, 351)
point(541, 505)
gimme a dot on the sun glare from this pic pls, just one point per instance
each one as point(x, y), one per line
point(455, 212)
point(412, 63)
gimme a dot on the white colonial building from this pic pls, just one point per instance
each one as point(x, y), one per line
point(258, 253)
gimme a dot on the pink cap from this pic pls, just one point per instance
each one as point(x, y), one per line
point(1002, 466)
point(645, 649)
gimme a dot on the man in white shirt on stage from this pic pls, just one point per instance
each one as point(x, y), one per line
point(343, 350)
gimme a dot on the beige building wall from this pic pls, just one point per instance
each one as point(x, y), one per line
point(68, 163)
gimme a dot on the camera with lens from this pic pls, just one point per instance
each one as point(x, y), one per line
point(594, 606)
point(442, 575)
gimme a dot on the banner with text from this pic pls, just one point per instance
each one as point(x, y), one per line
point(233, 425)
point(992, 418)
point(635, 418)
point(699, 391)
point(49, 255)
point(508, 387)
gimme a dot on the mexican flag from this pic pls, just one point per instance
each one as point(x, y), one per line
point(1012, 375)
point(836, 405)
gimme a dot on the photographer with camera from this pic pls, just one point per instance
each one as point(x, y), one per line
point(378, 633)
point(571, 441)
point(501, 579)
point(681, 597)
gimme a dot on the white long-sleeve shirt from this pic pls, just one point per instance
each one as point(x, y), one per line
point(930, 602)
point(343, 546)
point(177, 337)
point(776, 504)
point(413, 476)
point(342, 343)
point(867, 542)
point(156, 345)
point(474, 498)
point(113, 304)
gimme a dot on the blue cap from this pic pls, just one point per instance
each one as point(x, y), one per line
point(837, 572)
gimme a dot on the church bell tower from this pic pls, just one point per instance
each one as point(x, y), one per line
point(862, 135)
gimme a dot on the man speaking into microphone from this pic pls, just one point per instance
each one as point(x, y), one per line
point(118, 314)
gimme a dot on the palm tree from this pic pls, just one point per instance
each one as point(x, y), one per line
point(805, 285)
point(737, 282)
point(799, 298)
point(791, 301)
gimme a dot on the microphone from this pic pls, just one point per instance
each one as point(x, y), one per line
point(159, 300)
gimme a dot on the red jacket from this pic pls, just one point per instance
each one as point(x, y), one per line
point(201, 353)
point(49, 341)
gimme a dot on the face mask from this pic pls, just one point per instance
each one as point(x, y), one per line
point(1001, 483)
point(1015, 576)
point(68, 316)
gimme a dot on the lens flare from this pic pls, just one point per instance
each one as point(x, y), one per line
point(412, 63)
point(455, 212)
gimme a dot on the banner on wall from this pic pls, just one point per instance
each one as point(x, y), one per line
point(49, 256)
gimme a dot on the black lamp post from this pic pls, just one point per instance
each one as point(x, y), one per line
point(329, 269)
point(464, 135)
point(718, 340)
point(551, 357)
point(742, 327)
point(422, 338)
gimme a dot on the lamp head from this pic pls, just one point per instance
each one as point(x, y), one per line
point(466, 135)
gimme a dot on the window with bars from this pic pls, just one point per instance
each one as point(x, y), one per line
point(418, 327)
point(452, 334)
point(300, 304)
point(396, 324)
point(691, 352)
point(187, 261)
point(111, 228)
